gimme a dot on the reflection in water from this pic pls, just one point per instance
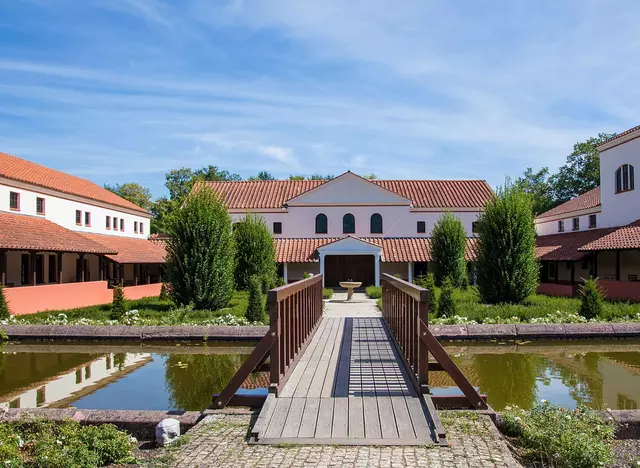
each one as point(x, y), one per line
point(599, 374)
point(596, 374)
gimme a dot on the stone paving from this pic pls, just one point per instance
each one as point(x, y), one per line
point(219, 440)
point(361, 306)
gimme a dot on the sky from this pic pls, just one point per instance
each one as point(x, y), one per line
point(124, 90)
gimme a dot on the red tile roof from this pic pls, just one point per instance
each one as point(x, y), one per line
point(265, 194)
point(394, 249)
point(620, 135)
point(626, 237)
point(130, 250)
point(567, 246)
point(22, 170)
point(34, 233)
point(587, 200)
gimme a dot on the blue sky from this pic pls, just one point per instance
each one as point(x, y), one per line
point(124, 90)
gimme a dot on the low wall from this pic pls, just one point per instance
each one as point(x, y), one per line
point(31, 299)
point(621, 290)
point(144, 290)
point(552, 289)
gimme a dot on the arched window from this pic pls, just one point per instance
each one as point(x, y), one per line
point(348, 224)
point(625, 178)
point(321, 223)
point(376, 223)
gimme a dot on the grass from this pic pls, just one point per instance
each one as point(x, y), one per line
point(535, 308)
point(151, 310)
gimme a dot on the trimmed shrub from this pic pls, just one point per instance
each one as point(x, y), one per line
point(507, 268)
point(255, 252)
point(448, 243)
point(4, 307)
point(447, 306)
point(591, 297)
point(373, 292)
point(201, 252)
point(551, 435)
point(164, 296)
point(430, 284)
point(255, 309)
point(119, 305)
point(306, 275)
point(327, 293)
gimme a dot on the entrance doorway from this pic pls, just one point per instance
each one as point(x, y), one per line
point(349, 267)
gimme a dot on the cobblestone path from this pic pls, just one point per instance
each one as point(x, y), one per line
point(219, 440)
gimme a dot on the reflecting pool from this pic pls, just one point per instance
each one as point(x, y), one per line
point(184, 376)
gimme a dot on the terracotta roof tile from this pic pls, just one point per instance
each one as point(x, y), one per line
point(22, 170)
point(619, 135)
point(130, 250)
point(394, 249)
point(626, 237)
point(273, 194)
point(34, 233)
point(590, 199)
point(567, 246)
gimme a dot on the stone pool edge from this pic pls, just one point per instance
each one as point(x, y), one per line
point(514, 332)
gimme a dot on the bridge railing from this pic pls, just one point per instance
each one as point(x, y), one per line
point(405, 309)
point(295, 311)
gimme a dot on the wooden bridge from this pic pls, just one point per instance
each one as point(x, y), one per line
point(349, 380)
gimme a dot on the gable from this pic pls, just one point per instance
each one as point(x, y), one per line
point(348, 189)
point(349, 245)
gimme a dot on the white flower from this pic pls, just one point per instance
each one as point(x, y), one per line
point(543, 401)
point(58, 441)
point(517, 419)
point(608, 410)
point(567, 416)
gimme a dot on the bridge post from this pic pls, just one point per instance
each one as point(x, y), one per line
point(274, 330)
point(423, 349)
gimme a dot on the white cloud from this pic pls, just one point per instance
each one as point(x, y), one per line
point(279, 153)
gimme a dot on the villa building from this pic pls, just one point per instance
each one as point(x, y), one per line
point(353, 228)
point(597, 233)
point(64, 240)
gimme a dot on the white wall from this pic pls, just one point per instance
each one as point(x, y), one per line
point(397, 221)
point(62, 211)
point(551, 227)
point(619, 209)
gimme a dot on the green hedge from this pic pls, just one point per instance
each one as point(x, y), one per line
point(374, 292)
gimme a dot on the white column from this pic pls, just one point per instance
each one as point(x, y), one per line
point(409, 274)
point(322, 268)
point(377, 264)
point(285, 273)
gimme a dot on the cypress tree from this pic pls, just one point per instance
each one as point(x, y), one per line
point(507, 268)
point(119, 305)
point(201, 251)
point(256, 253)
point(448, 243)
point(447, 306)
point(430, 284)
point(255, 309)
point(591, 297)
point(4, 307)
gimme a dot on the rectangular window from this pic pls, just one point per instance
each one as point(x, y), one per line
point(422, 227)
point(135, 227)
point(14, 201)
point(40, 205)
point(552, 270)
point(576, 224)
point(560, 226)
point(108, 222)
point(593, 222)
point(474, 226)
point(122, 224)
point(87, 218)
point(141, 228)
point(277, 227)
point(79, 217)
point(115, 223)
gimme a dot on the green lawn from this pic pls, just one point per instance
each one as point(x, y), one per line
point(151, 311)
point(536, 308)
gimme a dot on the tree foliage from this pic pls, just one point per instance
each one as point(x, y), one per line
point(446, 304)
point(201, 252)
point(581, 172)
point(4, 307)
point(256, 253)
point(591, 297)
point(448, 242)
point(507, 268)
point(538, 186)
point(255, 308)
point(428, 281)
point(134, 192)
point(263, 175)
point(119, 305)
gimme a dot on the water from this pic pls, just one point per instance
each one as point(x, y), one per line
point(600, 374)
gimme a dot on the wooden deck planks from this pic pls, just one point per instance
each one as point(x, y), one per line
point(348, 387)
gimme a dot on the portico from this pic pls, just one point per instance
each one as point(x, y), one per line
point(350, 258)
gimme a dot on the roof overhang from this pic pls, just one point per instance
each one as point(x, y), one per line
point(350, 245)
point(569, 214)
point(617, 140)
